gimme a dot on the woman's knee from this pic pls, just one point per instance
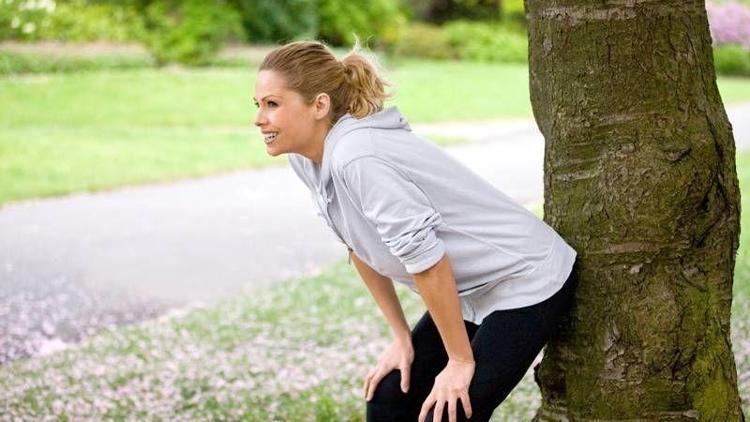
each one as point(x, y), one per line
point(388, 399)
point(389, 389)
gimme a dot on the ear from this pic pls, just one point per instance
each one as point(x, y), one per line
point(322, 106)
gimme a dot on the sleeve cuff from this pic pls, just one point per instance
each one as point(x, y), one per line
point(426, 259)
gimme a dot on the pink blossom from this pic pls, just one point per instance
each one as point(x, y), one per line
point(729, 23)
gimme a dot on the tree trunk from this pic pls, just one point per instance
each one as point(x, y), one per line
point(639, 177)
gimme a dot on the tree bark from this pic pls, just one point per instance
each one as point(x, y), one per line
point(639, 177)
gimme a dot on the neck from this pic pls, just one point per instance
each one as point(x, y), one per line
point(318, 143)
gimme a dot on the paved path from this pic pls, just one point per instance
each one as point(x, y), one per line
point(139, 250)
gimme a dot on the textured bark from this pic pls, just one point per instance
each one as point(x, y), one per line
point(639, 177)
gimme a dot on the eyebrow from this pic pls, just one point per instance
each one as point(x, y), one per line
point(269, 95)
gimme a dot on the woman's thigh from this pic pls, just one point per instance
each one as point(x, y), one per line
point(505, 345)
point(389, 403)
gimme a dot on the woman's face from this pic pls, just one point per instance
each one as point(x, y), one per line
point(287, 123)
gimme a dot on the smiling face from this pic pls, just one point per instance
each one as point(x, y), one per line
point(287, 122)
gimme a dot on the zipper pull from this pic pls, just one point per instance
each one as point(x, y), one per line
point(350, 255)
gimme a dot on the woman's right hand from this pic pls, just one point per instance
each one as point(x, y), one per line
point(398, 355)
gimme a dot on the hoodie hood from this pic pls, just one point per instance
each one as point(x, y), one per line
point(389, 118)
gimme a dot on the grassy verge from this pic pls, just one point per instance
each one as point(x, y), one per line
point(295, 351)
point(89, 131)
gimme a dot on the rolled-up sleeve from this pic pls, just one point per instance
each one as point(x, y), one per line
point(401, 213)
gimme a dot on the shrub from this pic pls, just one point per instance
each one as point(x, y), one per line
point(341, 20)
point(80, 21)
point(486, 42)
point(282, 20)
point(424, 40)
point(22, 19)
point(75, 20)
point(730, 31)
point(732, 59)
point(464, 40)
point(439, 12)
point(190, 31)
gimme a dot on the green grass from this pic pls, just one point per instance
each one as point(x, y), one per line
point(734, 89)
point(88, 131)
point(433, 91)
point(295, 351)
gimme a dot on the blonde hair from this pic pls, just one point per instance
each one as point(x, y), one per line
point(310, 68)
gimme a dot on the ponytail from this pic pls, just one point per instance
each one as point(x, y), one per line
point(366, 88)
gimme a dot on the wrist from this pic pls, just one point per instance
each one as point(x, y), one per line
point(465, 360)
point(402, 336)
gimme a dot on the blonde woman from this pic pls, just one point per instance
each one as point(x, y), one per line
point(495, 278)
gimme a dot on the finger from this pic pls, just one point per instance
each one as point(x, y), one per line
point(426, 407)
point(374, 384)
point(368, 377)
point(466, 403)
point(405, 378)
point(437, 415)
point(452, 409)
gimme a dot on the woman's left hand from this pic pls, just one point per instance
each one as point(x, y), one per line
point(451, 385)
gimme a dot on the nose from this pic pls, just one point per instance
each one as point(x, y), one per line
point(260, 119)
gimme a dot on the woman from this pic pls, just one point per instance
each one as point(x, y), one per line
point(494, 277)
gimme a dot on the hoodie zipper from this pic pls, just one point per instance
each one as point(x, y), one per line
point(323, 206)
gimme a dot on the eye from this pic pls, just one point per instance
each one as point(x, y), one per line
point(272, 104)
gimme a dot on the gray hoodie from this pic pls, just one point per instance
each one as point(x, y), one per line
point(401, 203)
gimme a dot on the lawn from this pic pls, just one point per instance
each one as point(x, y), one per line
point(294, 351)
point(88, 131)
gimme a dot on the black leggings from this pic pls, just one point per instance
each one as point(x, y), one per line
point(505, 345)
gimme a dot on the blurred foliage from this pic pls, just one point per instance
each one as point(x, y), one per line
point(732, 59)
point(486, 42)
point(442, 11)
point(334, 21)
point(341, 20)
point(464, 40)
point(80, 21)
point(424, 40)
point(278, 21)
point(189, 31)
point(22, 20)
point(730, 32)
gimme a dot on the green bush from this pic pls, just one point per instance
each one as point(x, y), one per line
point(341, 20)
point(22, 20)
point(474, 41)
point(513, 10)
point(486, 42)
point(190, 31)
point(334, 21)
point(443, 11)
point(732, 59)
point(282, 20)
point(80, 21)
point(74, 20)
point(424, 40)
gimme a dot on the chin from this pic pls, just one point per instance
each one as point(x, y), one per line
point(273, 152)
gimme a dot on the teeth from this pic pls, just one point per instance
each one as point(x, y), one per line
point(270, 137)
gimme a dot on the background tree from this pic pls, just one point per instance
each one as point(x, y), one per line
point(640, 179)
